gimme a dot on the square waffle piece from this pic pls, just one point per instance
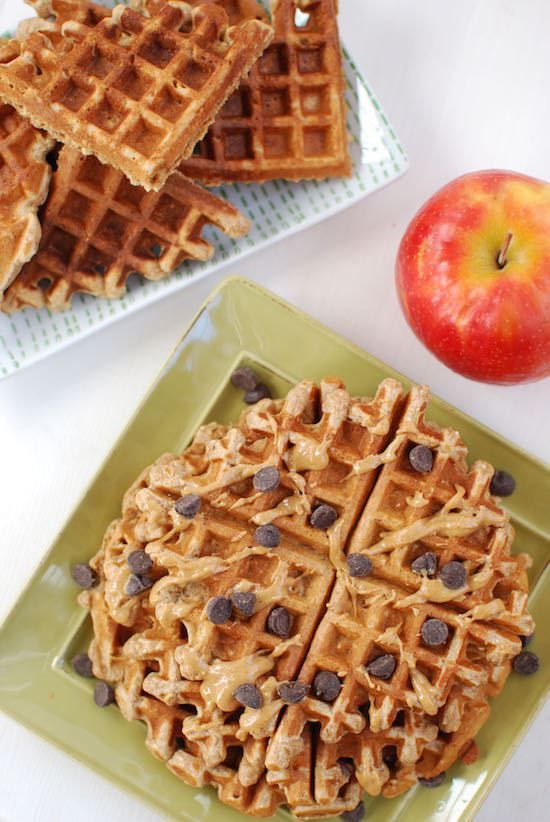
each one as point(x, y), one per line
point(137, 92)
point(287, 119)
point(233, 572)
point(24, 183)
point(98, 229)
point(421, 628)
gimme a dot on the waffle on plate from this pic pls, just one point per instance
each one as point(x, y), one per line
point(314, 602)
point(136, 91)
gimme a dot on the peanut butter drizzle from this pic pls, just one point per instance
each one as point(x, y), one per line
point(375, 460)
point(222, 678)
point(260, 722)
point(294, 504)
point(371, 777)
point(428, 696)
point(279, 589)
point(307, 454)
point(445, 522)
point(418, 501)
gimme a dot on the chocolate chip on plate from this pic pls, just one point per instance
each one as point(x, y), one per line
point(421, 459)
point(248, 695)
point(502, 484)
point(326, 686)
point(434, 781)
point(526, 663)
point(103, 694)
point(139, 561)
point(267, 535)
point(279, 622)
point(244, 602)
point(267, 479)
point(359, 565)
point(356, 815)
point(293, 692)
point(425, 564)
point(382, 667)
point(323, 517)
point(137, 584)
point(261, 392)
point(244, 378)
point(527, 640)
point(82, 665)
point(188, 506)
point(84, 575)
point(434, 632)
point(453, 575)
point(218, 610)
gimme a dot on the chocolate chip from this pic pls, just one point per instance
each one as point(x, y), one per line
point(382, 667)
point(326, 686)
point(526, 663)
point(323, 517)
point(434, 632)
point(84, 575)
point(293, 692)
point(156, 251)
point(137, 584)
point(103, 694)
point(218, 610)
point(249, 696)
point(526, 640)
point(261, 392)
point(83, 665)
point(99, 268)
point(433, 781)
point(267, 479)
point(279, 622)
point(244, 602)
point(356, 815)
point(421, 459)
point(244, 378)
point(139, 562)
point(359, 565)
point(267, 535)
point(188, 506)
point(453, 575)
point(425, 564)
point(502, 484)
point(389, 756)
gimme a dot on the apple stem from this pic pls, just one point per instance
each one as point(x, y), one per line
point(501, 259)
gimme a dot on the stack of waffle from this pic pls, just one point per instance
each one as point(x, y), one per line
point(142, 101)
point(301, 607)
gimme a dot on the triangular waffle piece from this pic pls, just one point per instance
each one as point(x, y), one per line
point(448, 513)
point(99, 229)
point(172, 652)
point(24, 182)
point(135, 91)
point(287, 119)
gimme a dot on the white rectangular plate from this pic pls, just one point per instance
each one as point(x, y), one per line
point(275, 209)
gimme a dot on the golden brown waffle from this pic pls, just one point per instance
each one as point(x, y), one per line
point(288, 117)
point(447, 511)
point(135, 91)
point(178, 670)
point(98, 229)
point(58, 12)
point(24, 182)
point(181, 657)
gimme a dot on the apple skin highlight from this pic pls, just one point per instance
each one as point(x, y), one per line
point(485, 321)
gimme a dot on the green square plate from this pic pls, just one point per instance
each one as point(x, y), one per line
point(240, 323)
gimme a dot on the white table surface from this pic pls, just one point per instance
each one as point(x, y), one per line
point(466, 87)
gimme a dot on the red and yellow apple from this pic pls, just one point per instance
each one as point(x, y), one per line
point(473, 276)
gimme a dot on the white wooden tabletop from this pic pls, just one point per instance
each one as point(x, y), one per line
point(466, 87)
